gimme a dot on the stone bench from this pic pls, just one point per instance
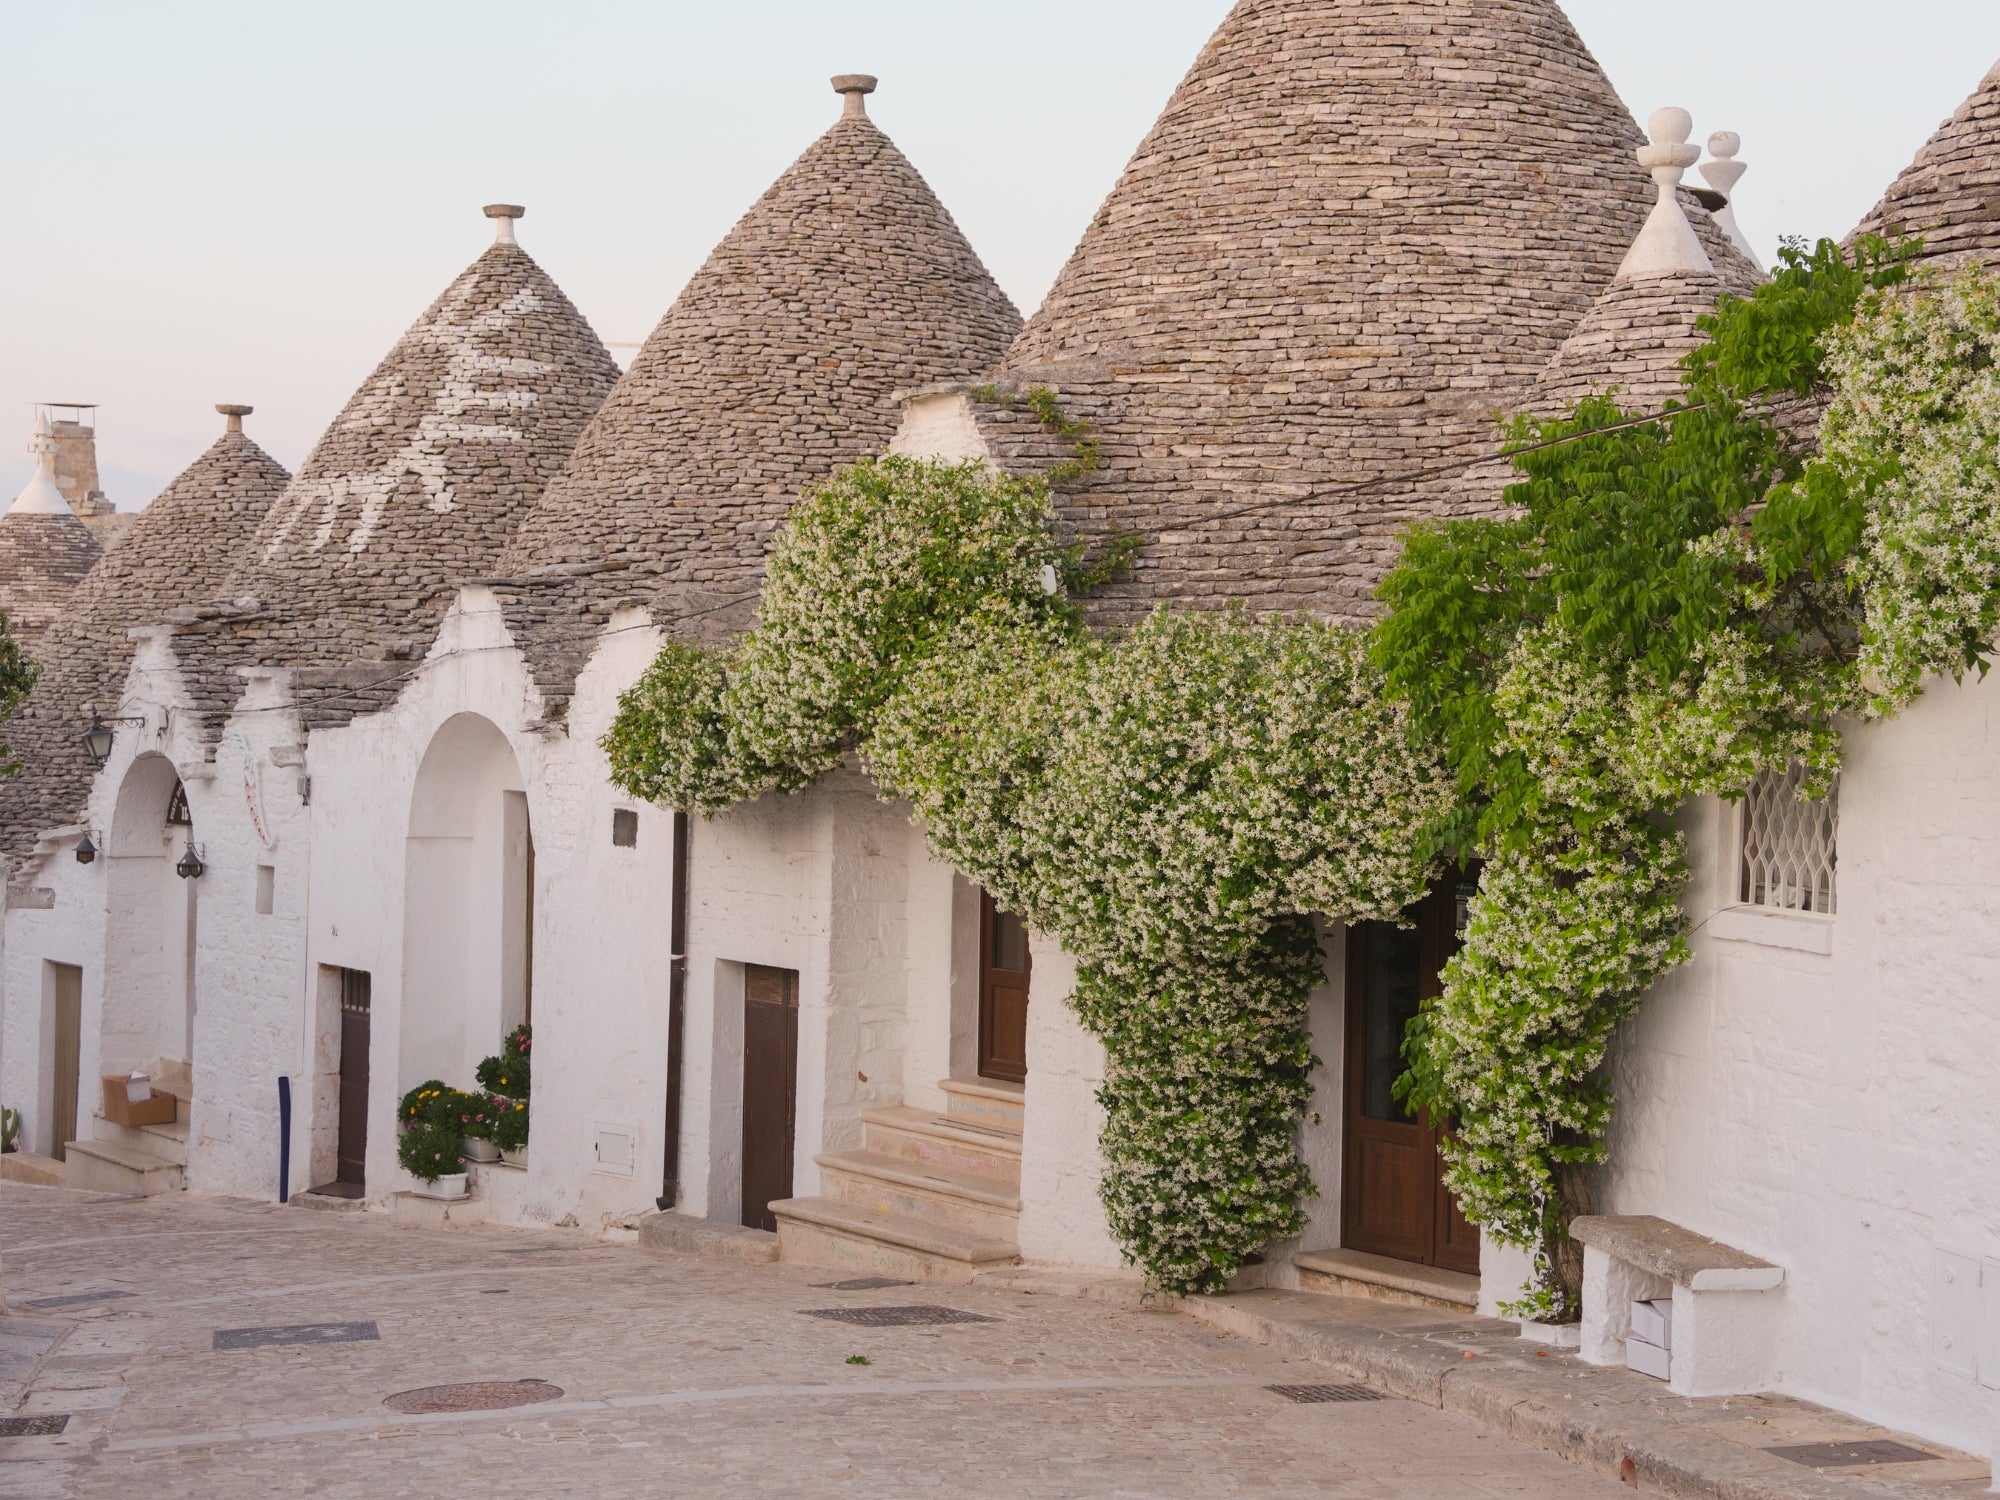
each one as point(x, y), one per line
point(1725, 1313)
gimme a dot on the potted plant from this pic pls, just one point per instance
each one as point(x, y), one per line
point(431, 1139)
point(506, 1073)
point(510, 1130)
point(477, 1114)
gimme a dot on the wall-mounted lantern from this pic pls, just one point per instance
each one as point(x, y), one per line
point(190, 866)
point(86, 849)
point(97, 739)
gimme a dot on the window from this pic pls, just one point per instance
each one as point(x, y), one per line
point(1788, 853)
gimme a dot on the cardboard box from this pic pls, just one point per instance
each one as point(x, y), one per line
point(1654, 1322)
point(1647, 1359)
point(158, 1110)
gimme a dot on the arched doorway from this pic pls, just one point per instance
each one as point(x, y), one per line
point(147, 1020)
point(468, 956)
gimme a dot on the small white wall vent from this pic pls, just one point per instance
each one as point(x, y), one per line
point(1788, 845)
point(617, 1149)
point(267, 889)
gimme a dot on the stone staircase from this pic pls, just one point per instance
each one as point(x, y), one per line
point(137, 1160)
point(928, 1197)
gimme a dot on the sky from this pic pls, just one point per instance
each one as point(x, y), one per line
point(208, 201)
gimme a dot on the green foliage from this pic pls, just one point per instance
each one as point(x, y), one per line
point(434, 1120)
point(1168, 806)
point(17, 678)
point(1087, 455)
point(1674, 605)
point(508, 1072)
point(510, 1123)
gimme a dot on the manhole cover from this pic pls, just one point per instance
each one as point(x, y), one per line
point(1840, 1455)
point(32, 1426)
point(78, 1299)
point(1320, 1395)
point(895, 1317)
point(476, 1395)
point(294, 1333)
point(861, 1284)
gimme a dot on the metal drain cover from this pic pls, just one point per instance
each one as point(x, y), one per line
point(1842, 1455)
point(294, 1333)
point(861, 1284)
point(476, 1395)
point(1320, 1395)
point(895, 1317)
point(32, 1426)
point(78, 1299)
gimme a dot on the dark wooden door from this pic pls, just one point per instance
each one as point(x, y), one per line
point(67, 982)
point(770, 1088)
point(355, 1011)
point(1393, 1199)
point(1003, 993)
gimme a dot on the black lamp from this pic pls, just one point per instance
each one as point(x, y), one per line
point(190, 866)
point(97, 739)
point(86, 851)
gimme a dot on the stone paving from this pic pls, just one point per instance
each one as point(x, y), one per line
point(679, 1377)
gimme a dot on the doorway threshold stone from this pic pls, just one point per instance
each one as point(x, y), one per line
point(1356, 1273)
point(682, 1234)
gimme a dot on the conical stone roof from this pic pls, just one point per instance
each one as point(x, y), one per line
point(416, 486)
point(846, 282)
point(178, 549)
point(45, 551)
point(1950, 194)
point(1354, 238)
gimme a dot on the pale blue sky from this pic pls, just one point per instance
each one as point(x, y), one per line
point(211, 201)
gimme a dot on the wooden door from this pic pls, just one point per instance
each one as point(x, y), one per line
point(1003, 993)
point(1393, 1199)
point(770, 1088)
point(67, 982)
point(355, 1017)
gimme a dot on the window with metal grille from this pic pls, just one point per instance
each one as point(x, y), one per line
point(1788, 854)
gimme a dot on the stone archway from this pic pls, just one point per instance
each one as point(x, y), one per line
point(468, 915)
point(147, 1017)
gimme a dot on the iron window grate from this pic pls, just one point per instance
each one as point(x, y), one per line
point(293, 1334)
point(1789, 845)
point(895, 1317)
point(48, 1426)
point(1844, 1455)
point(1321, 1395)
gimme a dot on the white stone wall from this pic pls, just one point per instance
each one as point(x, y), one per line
point(1838, 1112)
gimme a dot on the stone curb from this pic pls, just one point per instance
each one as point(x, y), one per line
point(1605, 1420)
point(677, 1234)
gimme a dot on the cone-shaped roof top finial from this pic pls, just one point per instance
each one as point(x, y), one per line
point(1722, 174)
point(503, 216)
point(856, 87)
point(41, 497)
point(236, 414)
point(1667, 245)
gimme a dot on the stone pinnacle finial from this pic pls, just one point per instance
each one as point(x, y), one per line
point(503, 216)
point(1667, 245)
point(236, 414)
point(1723, 174)
point(856, 87)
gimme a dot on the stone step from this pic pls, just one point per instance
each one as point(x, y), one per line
point(1356, 1273)
point(844, 1236)
point(167, 1141)
point(109, 1167)
point(951, 1198)
point(985, 1101)
point(924, 1135)
point(30, 1166)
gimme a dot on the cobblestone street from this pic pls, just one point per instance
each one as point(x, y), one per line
point(677, 1377)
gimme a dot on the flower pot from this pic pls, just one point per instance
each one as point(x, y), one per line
point(515, 1158)
point(449, 1187)
point(477, 1149)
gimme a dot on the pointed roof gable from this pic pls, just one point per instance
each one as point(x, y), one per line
point(846, 282)
point(1354, 238)
point(1950, 194)
point(417, 484)
point(177, 550)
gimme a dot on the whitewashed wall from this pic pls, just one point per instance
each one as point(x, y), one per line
point(1838, 1111)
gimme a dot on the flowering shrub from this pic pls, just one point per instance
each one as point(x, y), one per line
point(435, 1120)
point(510, 1123)
point(508, 1072)
point(1168, 806)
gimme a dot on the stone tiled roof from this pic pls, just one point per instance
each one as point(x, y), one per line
point(846, 282)
point(178, 549)
point(1352, 241)
point(1951, 193)
point(1631, 344)
point(416, 485)
point(44, 555)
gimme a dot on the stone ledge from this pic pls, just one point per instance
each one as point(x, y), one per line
point(31, 1167)
point(1680, 1255)
point(678, 1234)
point(1773, 929)
point(1373, 1275)
point(1607, 1420)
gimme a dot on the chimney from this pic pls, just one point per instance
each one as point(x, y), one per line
point(75, 438)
